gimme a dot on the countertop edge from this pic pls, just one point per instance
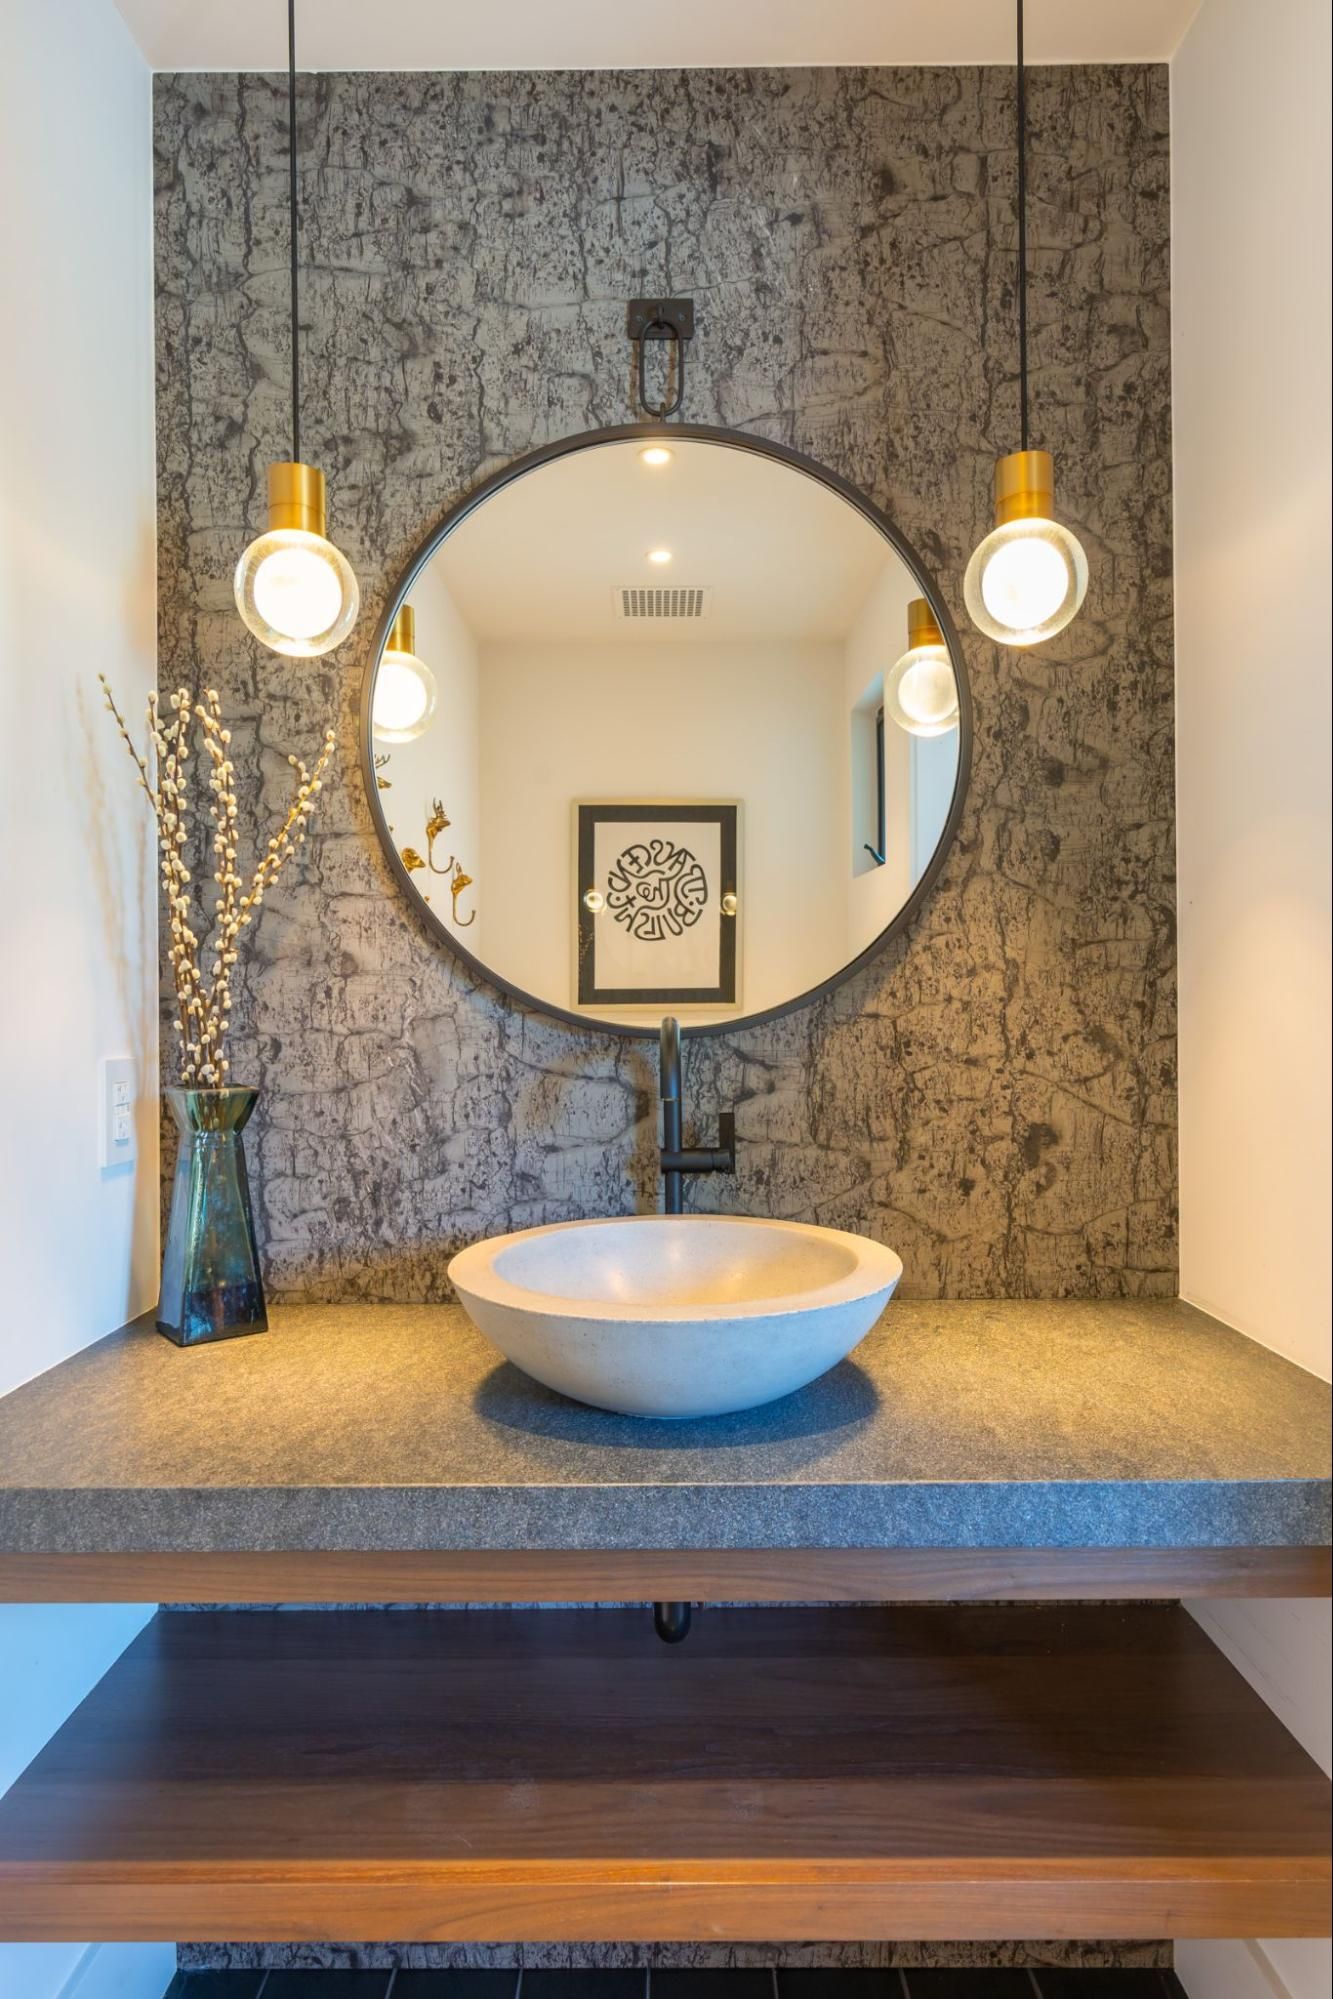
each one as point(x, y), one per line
point(1089, 1514)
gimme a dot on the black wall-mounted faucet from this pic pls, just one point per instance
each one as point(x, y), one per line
point(676, 1159)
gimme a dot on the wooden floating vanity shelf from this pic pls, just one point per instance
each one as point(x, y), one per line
point(953, 1771)
point(943, 1766)
point(700, 1575)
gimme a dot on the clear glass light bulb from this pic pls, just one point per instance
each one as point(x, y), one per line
point(921, 694)
point(1026, 581)
point(296, 592)
point(404, 698)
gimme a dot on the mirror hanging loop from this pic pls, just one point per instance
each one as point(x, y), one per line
point(661, 319)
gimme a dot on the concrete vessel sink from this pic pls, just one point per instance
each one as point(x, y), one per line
point(675, 1315)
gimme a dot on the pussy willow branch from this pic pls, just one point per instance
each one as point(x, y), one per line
point(203, 1007)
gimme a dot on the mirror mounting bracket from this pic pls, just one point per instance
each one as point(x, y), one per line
point(661, 319)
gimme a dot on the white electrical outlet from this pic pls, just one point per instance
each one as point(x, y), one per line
point(120, 1090)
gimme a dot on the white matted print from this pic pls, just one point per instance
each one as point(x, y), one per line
point(656, 904)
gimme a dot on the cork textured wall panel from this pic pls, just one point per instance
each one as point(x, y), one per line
point(995, 1095)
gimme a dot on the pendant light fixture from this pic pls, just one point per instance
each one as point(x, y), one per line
point(294, 589)
point(920, 692)
point(1028, 578)
point(404, 698)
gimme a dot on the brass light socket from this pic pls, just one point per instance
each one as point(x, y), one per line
point(922, 625)
point(403, 631)
point(1024, 487)
point(296, 497)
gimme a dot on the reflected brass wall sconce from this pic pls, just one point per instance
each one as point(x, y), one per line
point(438, 823)
point(457, 885)
point(452, 869)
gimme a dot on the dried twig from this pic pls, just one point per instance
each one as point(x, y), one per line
point(203, 1007)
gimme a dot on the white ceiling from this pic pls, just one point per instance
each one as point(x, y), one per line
point(784, 557)
point(646, 34)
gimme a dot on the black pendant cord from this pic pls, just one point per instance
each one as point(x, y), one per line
point(291, 189)
point(1021, 95)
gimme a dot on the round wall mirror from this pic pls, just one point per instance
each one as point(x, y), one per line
point(666, 720)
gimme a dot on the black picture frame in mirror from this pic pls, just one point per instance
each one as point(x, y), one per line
point(644, 434)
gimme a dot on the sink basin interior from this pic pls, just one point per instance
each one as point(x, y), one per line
point(660, 1261)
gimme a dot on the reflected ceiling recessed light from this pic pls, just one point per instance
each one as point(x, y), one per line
point(659, 555)
point(655, 454)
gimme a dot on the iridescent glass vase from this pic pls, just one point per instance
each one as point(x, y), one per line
point(211, 1286)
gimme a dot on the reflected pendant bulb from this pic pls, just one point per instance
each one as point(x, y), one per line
point(404, 699)
point(294, 589)
point(1027, 579)
point(920, 692)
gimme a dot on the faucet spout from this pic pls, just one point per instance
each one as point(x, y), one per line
point(676, 1160)
point(673, 1180)
point(669, 1061)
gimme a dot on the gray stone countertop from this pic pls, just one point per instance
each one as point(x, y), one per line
point(976, 1424)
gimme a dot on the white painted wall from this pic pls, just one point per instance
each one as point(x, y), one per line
point(1250, 285)
point(77, 595)
point(695, 34)
point(79, 923)
point(764, 723)
point(1250, 119)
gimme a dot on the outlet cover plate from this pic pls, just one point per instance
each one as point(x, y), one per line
point(118, 1113)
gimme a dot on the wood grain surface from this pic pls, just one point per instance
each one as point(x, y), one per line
point(719, 1575)
point(951, 1771)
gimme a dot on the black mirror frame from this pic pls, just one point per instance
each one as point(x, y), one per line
point(647, 433)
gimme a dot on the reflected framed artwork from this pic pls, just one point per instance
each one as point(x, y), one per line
point(657, 907)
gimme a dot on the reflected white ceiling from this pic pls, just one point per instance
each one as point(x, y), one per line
point(783, 557)
point(654, 34)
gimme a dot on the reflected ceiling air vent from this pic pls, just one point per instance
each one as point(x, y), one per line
point(638, 603)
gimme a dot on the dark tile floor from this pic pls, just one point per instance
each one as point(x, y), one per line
point(934, 1984)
